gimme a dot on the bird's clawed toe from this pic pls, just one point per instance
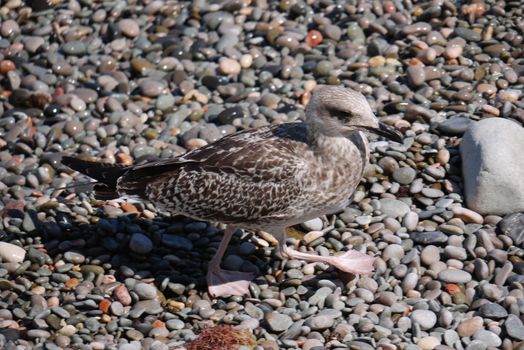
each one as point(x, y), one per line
point(224, 283)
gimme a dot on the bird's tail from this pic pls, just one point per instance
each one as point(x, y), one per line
point(107, 175)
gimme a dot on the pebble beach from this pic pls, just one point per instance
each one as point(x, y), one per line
point(128, 82)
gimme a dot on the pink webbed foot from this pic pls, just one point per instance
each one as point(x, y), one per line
point(224, 283)
point(351, 261)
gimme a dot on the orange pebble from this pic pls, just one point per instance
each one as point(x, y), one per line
point(158, 324)
point(104, 305)
point(124, 159)
point(129, 208)
point(6, 66)
point(452, 288)
point(72, 283)
point(313, 38)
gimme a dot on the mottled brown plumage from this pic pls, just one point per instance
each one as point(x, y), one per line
point(267, 178)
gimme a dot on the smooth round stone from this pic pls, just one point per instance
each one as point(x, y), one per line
point(470, 326)
point(454, 276)
point(425, 318)
point(493, 311)
point(165, 101)
point(278, 322)
point(74, 48)
point(428, 343)
point(455, 126)
point(514, 327)
point(229, 66)
point(151, 88)
point(175, 324)
point(393, 208)
point(405, 175)
point(320, 322)
point(324, 68)
point(73, 127)
point(9, 27)
point(488, 338)
point(430, 254)
point(467, 215)
point(129, 27)
point(416, 75)
point(393, 251)
point(410, 221)
point(389, 164)
point(33, 43)
point(312, 344)
point(11, 253)
point(117, 308)
point(468, 34)
point(410, 282)
point(432, 192)
point(145, 291)
point(313, 225)
point(454, 252)
point(246, 61)
point(38, 333)
point(140, 244)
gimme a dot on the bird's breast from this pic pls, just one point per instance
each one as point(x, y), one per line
point(337, 170)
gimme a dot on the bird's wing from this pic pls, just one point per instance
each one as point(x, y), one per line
point(253, 165)
point(244, 153)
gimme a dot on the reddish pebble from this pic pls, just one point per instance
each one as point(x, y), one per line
point(72, 283)
point(389, 7)
point(6, 66)
point(129, 208)
point(124, 159)
point(122, 295)
point(158, 324)
point(58, 92)
point(313, 38)
point(104, 305)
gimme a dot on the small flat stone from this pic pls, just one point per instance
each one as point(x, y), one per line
point(313, 225)
point(393, 207)
point(278, 322)
point(320, 322)
point(455, 126)
point(454, 276)
point(405, 175)
point(434, 237)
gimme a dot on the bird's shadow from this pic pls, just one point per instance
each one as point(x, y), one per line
point(169, 251)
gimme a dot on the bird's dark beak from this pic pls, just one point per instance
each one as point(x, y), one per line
point(386, 131)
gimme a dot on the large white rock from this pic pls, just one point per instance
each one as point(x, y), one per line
point(492, 153)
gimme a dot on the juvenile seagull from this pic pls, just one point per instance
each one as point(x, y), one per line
point(261, 179)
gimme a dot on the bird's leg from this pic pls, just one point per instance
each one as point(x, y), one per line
point(222, 282)
point(351, 261)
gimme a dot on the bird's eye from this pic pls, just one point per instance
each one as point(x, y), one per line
point(340, 114)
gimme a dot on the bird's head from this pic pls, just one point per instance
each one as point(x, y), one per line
point(338, 111)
